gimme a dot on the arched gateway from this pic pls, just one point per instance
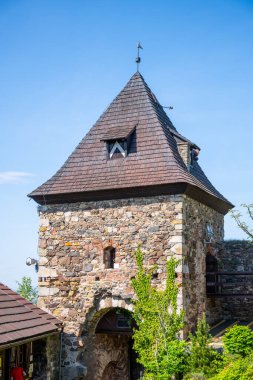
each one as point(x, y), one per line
point(111, 354)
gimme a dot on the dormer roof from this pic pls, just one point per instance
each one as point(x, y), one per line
point(118, 133)
point(152, 165)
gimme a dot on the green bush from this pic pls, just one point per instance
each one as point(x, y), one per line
point(203, 359)
point(195, 376)
point(238, 340)
point(240, 369)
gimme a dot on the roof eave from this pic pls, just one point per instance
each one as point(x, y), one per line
point(221, 205)
point(193, 192)
point(16, 342)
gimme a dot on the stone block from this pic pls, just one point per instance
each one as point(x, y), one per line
point(186, 269)
point(42, 252)
point(43, 260)
point(47, 291)
point(47, 272)
point(88, 267)
point(153, 229)
point(176, 239)
point(44, 222)
point(75, 372)
point(177, 248)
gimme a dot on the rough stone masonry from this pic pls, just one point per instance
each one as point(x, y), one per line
point(74, 284)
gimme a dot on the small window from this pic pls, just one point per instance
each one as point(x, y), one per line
point(118, 146)
point(109, 257)
point(123, 321)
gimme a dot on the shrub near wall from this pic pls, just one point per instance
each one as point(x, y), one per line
point(238, 345)
point(238, 340)
point(240, 369)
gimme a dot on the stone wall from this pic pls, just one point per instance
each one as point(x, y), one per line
point(237, 256)
point(196, 216)
point(73, 282)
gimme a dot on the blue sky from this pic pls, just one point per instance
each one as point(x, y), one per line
point(61, 64)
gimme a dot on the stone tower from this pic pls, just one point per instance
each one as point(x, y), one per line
point(133, 179)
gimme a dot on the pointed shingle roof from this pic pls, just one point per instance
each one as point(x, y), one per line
point(152, 166)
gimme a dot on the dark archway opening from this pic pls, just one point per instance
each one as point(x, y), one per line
point(116, 327)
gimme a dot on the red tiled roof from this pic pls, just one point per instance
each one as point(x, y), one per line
point(153, 158)
point(21, 320)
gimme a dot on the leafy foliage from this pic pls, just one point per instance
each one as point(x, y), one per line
point(26, 290)
point(240, 369)
point(195, 376)
point(237, 216)
point(157, 336)
point(238, 340)
point(156, 340)
point(203, 359)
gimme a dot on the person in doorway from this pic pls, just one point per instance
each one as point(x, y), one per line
point(17, 373)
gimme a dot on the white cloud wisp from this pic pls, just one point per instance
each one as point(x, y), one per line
point(13, 178)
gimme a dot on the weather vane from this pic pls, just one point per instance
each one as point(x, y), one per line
point(138, 58)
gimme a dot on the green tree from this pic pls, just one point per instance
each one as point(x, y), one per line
point(157, 336)
point(238, 340)
point(203, 359)
point(238, 369)
point(26, 290)
point(237, 216)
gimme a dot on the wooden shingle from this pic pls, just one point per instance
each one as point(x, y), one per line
point(154, 167)
point(21, 320)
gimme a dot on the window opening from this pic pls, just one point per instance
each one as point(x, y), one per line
point(118, 147)
point(123, 321)
point(211, 274)
point(109, 257)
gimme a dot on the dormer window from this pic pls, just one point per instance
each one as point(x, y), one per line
point(118, 140)
point(117, 147)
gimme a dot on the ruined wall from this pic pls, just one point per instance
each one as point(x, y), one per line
point(73, 281)
point(237, 256)
point(196, 216)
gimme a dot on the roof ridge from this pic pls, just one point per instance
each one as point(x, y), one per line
point(166, 125)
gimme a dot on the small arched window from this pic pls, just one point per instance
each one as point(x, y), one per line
point(109, 257)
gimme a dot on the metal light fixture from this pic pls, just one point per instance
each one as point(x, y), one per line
point(30, 261)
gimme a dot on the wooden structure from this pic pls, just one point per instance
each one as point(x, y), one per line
point(24, 329)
